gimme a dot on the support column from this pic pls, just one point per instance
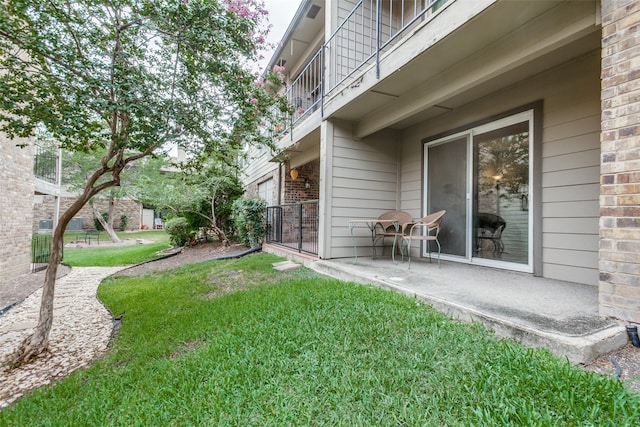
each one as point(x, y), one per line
point(620, 161)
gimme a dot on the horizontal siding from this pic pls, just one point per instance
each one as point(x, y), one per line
point(583, 159)
point(585, 259)
point(364, 185)
point(589, 276)
point(582, 209)
point(353, 184)
point(570, 166)
point(564, 178)
point(575, 193)
point(580, 242)
point(570, 225)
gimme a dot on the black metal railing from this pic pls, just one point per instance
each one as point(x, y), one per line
point(40, 251)
point(45, 165)
point(294, 225)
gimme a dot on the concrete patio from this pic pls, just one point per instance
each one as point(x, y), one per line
point(560, 316)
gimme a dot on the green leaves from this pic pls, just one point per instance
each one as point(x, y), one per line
point(131, 74)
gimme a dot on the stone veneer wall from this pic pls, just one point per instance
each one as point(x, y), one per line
point(44, 209)
point(16, 207)
point(620, 161)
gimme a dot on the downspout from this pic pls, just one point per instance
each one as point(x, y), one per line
point(378, 32)
point(279, 183)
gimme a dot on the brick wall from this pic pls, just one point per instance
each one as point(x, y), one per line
point(296, 191)
point(16, 207)
point(292, 191)
point(44, 209)
point(620, 161)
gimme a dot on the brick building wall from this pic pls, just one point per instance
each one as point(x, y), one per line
point(620, 161)
point(44, 209)
point(291, 191)
point(16, 207)
point(296, 191)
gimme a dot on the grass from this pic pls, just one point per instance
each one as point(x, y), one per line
point(108, 256)
point(236, 343)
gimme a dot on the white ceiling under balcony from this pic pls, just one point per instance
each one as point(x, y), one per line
point(501, 45)
point(302, 39)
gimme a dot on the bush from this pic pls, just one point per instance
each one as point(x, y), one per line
point(249, 220)
point(179, 230)
point(124, 220)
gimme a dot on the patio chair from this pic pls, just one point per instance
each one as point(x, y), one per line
point(381, 231)
point(490, 227)
point(422, 231)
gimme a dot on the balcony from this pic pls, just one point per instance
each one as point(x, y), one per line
point(371, 28)
point(46, 169)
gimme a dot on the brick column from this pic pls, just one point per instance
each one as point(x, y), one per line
point(620, 161)
point(16, 207)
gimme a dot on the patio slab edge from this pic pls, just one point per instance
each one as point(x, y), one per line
point(581, 349)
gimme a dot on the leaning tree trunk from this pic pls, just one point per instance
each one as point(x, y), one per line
point(108, 228)
point(214, 223)
point(38, 342)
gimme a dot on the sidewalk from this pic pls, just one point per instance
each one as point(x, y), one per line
point(80, 332)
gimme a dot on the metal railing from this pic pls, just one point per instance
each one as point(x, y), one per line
point(305, 93)
point(370, 28)
point(45, 165)
point(294, 225)
point(40, 251)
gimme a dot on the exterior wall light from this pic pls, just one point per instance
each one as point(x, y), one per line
point(294, 174)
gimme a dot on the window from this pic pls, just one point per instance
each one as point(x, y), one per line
point(265, 191)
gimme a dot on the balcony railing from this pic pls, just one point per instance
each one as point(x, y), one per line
point(45, 166)
point(371, 27)
point(294, 225)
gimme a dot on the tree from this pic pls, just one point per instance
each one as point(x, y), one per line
point(128, 77)
point(77, 168)
point(204, 196)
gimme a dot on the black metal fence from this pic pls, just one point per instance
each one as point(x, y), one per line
point(45, 164)
point(294, 225)
point(40, 251)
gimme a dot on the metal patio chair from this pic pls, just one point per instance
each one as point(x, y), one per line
point(426, 229)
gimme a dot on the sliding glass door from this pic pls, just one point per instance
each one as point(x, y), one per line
point(482, 178)
point(447, 189)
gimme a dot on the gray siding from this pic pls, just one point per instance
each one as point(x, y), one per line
point(570, 161)
point(365, 184)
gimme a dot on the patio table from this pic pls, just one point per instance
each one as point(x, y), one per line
point(371, 224)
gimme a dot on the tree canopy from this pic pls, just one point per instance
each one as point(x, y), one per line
point(128, 77)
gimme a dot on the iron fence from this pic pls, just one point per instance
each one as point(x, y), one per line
point(40, 251)
point(294, 225)
point(45, 165)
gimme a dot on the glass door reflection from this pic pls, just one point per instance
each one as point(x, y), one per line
point(500, 194)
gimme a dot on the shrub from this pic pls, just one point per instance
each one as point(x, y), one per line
point(124, 220)
point(179, 230)
point(249, 220)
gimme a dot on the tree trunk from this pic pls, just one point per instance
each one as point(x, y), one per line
point(111, 201)
point(106, 225)
point(214, 223)
point(38, 343)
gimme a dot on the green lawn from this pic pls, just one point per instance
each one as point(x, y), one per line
point(107, 256)
point(236, 343)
